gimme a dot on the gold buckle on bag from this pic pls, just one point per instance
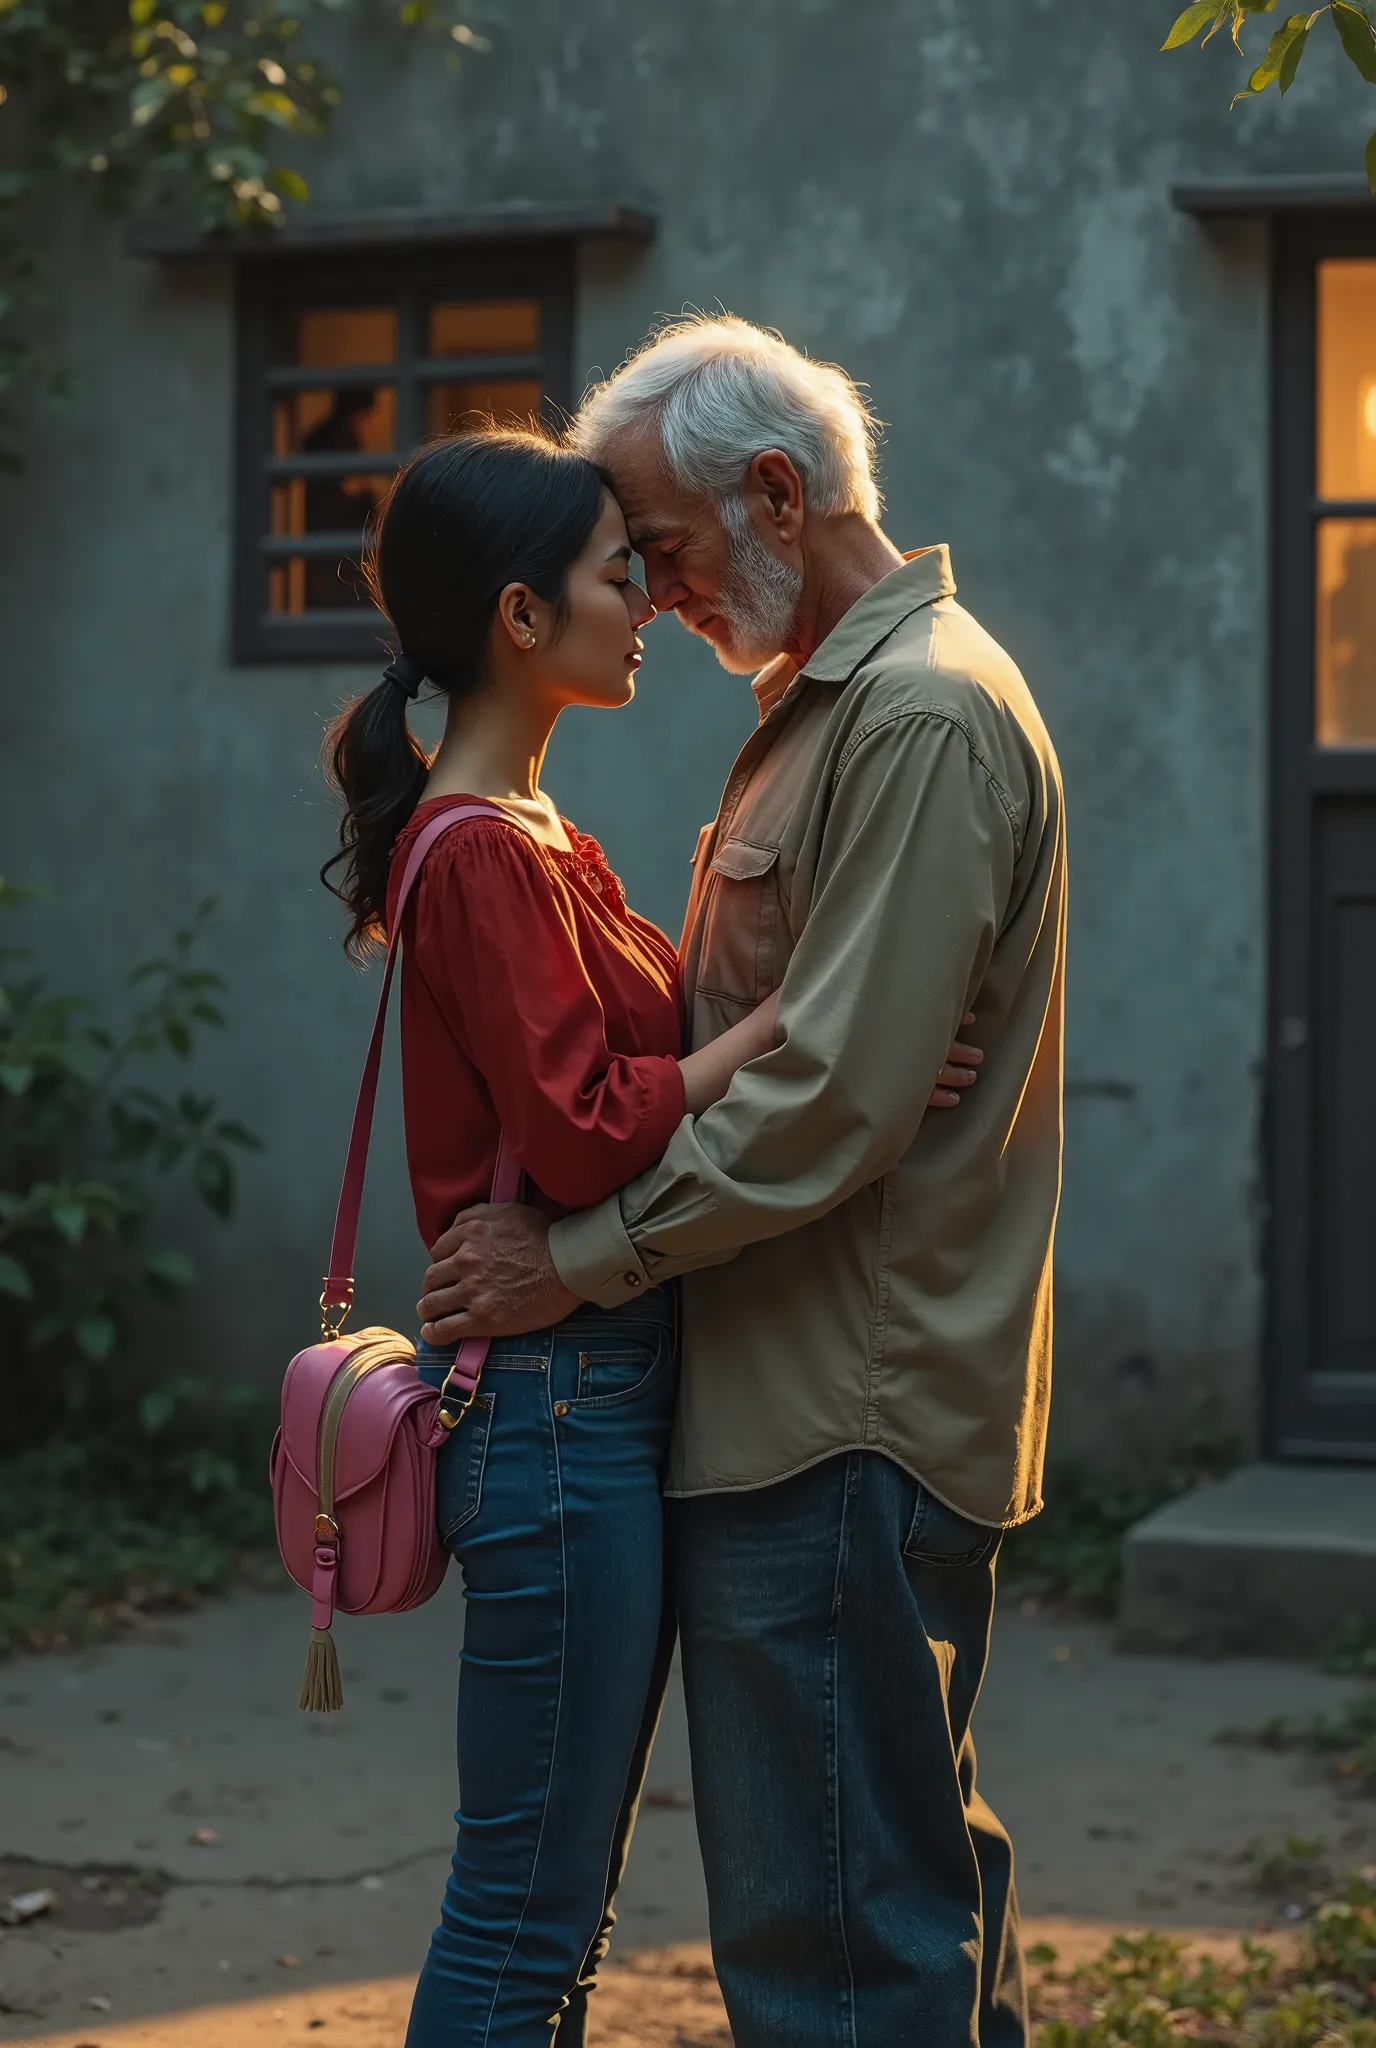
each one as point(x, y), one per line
point(333, 1316)
point(445, 1418)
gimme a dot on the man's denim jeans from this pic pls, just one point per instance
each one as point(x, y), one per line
point(549, 1498)
point(835, 1628)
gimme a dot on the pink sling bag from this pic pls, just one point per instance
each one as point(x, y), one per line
point(353, 1464)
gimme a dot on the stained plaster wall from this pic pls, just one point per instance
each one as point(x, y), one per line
point(969, 209)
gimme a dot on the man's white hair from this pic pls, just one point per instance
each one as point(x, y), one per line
point(716, 392)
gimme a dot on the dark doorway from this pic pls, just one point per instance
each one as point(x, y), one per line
point(1322, 1151)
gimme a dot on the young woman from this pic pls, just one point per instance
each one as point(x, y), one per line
point(533, 1001)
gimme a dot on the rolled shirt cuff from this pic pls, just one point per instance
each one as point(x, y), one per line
point(594, 1257)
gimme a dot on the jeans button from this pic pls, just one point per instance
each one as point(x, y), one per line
point(561, 1407)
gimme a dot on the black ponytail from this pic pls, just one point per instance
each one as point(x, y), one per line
point(463, 519)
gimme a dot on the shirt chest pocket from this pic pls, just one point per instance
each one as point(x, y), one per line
point(741, 917)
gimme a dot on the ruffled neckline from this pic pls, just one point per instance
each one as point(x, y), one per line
point(583, 858)
point(588, 860)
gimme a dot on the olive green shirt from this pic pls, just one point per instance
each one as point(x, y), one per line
point(861, 1272)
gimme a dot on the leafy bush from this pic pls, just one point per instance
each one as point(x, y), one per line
point(139, 1503)
point(115, 1495)
point(84, 1146)
point(184, 104)
point(1149, 1991)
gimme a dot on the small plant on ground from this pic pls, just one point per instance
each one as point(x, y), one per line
point(1346, 1740)
point(1352, 1652)
point(1151, 1990)
point(1296, 1866)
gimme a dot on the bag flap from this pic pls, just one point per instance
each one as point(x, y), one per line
point(739, 861)
point(377, 1404)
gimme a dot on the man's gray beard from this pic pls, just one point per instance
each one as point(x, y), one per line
point(757, 599)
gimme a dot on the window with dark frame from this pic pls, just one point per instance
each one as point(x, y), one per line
point(346, 367)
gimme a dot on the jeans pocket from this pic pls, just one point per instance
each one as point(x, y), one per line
point(459, 1480)
point(940, 1536)
point(621, 1368)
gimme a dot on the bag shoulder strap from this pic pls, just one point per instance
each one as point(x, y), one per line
point(506, 1180)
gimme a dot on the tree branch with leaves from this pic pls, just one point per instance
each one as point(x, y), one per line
point(1280, 63)
point(187, 105)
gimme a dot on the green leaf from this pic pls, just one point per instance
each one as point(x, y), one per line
point(141, 11)
point(1293, 54)
point(83, 1057)
point(15, 1080)
point(235, 1133)
point(290, 183)
point(1371, 163)
point(1294, 29)
point(1357, 36)
point(171, 1267)
point(278, 107)
point(214, 1178)
point(156, 1410)
point(13, 1279)
point(149, 97)
point(70, 1218)
point(95, 1335)
point(1189, 24)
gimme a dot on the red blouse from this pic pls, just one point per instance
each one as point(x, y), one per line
point(531, 998)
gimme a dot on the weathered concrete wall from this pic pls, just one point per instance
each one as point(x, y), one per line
point(970, 210)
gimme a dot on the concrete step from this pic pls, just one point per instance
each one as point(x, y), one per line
point(1273, 1560)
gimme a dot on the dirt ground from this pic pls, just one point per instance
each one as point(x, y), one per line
point(226, 1870)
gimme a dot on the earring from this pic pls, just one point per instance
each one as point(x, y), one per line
point(527, 639)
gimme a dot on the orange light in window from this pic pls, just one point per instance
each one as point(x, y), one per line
point(1346, 337)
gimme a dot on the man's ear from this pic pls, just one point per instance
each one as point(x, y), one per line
point(774, 477)
point(518, 616)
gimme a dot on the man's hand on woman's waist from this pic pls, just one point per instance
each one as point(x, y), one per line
point(493, 1276)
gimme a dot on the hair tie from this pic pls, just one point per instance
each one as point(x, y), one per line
point(408, 675)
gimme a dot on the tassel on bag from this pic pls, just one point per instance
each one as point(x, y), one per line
point(322, 1691)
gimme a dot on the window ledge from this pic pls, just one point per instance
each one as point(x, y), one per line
point(389, 229)
point(1263, 198)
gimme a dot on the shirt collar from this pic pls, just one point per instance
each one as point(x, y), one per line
point(924, 578)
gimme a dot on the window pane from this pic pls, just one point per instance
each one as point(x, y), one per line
point(485, 327)
point(338, 335)
point(1347, 378)
point(300, 584)
point(1345, 650)
point(355, 416)
point(512, 401)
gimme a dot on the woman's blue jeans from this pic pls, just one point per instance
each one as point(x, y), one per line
point(549, 1498)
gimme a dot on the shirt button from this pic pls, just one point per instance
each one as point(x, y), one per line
point(632, 1279)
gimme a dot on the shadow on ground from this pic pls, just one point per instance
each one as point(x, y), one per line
point(220, 1860)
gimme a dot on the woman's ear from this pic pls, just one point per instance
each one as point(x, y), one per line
point(518, 614)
